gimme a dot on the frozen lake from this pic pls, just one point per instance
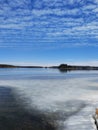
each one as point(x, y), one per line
point(66, 99)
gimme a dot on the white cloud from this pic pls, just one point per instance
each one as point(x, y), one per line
point(11, 26)
point(95, 10)
point(90, 7)
point(60, 12)
point(50, 20)
point(96, 1)
point(91, 62)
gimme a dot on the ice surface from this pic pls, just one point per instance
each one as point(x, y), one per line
point(70, 102)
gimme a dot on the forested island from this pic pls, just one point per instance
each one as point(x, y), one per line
point(75, 67)
point(62, 67)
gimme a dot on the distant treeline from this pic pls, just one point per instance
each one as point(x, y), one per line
point(14, 66)
point(73, 67)
point(7, 66)
point(60, 67)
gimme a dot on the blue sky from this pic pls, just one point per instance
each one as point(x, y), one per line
point(49, 32)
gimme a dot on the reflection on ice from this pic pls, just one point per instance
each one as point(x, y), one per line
point(69, 103)
point(45, 95)
point(13, 115)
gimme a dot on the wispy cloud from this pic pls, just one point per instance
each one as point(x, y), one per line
point(41, 23)
point(91, 62)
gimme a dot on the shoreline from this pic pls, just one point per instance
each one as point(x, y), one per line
point(61, 67)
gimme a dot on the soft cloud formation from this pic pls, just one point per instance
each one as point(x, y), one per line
point(91, 62)
point(42, 23)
